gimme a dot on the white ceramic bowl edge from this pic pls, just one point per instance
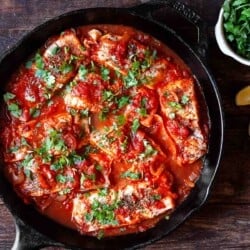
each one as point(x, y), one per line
point(223, 44)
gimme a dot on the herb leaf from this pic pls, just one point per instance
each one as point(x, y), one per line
point(14, 110)
point(83, 71)
point(105, 73)
point(135, 125)
point(131, 175)
point(123, 101)
point(8, 96)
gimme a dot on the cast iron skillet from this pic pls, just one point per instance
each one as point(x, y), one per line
point(33, 230)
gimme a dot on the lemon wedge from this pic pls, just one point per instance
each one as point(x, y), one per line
point(243, 96)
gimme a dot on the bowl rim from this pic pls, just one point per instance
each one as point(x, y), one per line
point(223, 43)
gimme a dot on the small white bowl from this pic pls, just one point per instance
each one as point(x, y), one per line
point(223, 44)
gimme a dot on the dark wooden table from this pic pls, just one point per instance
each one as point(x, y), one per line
point(224, 221)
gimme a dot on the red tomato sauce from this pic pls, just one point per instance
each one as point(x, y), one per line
point(103, 131)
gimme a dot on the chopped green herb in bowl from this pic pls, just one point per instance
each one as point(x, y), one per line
point(232, 30)
point(237, 25)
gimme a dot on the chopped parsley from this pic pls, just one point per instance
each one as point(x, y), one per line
point(103, 192)
point(103, 213)
point(42, 73)
point(130, 79)
point(148, 150)
point(14, 110)
point(84, 113)
point(64, 191)
point(98, 167)
point(66, 160)
point(135, 125)
point(120, 119)
point(64, 178)
point(175, 105)
point(28, 164)
point(237, 25)
point(47, 77)
point(60, 163)
point(53, 142)
point(131, 175)
point(123, 101)
point(103, 114)
point(184, 99)
point(107, 95)
point(142, 110)
point(150, 56)
point(135, 67)
point(66, 68)
point(55, 50)
point(39, 61)
point(156, 197)
point(124, 145)
point(8, 96)
point(28, 64)
point(105, 73)
point(85, 176)
point(34, 112)
point(83, 71)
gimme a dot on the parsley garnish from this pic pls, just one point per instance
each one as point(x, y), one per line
point(47, 77)
point(8, 96)
point(64, 191)
point(39, 61)
point(28, 164)
point(237, 25)
point(131, 175)
point(60, 163)
point(53, 142)
point(107, 95)
point(103, 192)
point(120, 119)
point(83, 71)
point(55, 50)
point(130, 80)
point(105, 73)
point(184, 99)
point(14, 110)
point(175, 105)
point(123, 101)
point(103, 213)
point(64, 178)
point(66, 68)
point(135, 125)
point(156, 197)
point(28, 64)
point(103, 114)
point(42, 73)
point(142, 110)
point(35, 112)
point(148, 150)
point(98, 167)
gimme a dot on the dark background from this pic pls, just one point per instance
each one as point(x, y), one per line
point(224, 221)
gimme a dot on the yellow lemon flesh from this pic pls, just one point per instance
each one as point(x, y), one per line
point(243, 97)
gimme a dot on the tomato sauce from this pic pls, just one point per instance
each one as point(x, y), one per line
point(103, 130)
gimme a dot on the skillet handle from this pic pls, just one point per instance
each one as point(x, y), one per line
point(146, 9)
point(29, 239)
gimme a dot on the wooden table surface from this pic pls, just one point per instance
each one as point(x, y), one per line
point(224, 221)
